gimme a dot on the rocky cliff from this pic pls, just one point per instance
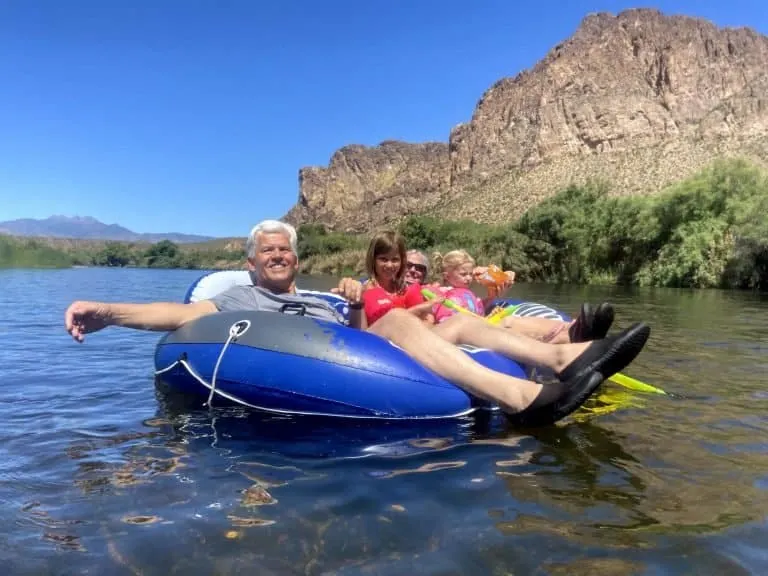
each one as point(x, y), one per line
point(365, 186)
point(639, 100)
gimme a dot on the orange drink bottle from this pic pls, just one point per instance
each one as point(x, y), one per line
point(495, 277)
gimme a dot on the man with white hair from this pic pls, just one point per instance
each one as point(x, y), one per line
point(273, 263)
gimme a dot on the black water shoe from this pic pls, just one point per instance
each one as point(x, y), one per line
point(591, 324)
point(602, 321)
point(609, 355)
point(557, 400)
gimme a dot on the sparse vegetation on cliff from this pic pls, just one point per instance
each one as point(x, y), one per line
point(706, 231)
point(639, 98)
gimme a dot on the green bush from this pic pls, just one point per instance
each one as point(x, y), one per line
point(706, 231)
point(315, 240)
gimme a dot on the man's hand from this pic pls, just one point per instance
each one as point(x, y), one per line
point(82, 318)
point(350, 289)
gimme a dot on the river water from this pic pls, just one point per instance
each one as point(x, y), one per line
point(103, 472)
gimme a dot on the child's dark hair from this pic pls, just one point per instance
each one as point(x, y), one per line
point(383, 243)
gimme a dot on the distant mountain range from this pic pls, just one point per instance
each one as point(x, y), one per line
point(85, 227)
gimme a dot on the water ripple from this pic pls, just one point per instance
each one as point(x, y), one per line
point(105, 473)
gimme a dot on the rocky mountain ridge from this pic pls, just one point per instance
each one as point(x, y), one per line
point(639, 100)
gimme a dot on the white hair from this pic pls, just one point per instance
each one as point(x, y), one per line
point(270, 227)
point(422, 256)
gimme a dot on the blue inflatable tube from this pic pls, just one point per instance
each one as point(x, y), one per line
point(288, 364)
point(291, 364)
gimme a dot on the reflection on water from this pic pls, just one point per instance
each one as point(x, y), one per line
point(106, 472)
point(579, 487)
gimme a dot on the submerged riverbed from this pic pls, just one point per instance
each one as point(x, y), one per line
point(105, 473)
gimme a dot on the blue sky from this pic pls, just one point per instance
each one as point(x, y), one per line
point(195, 116)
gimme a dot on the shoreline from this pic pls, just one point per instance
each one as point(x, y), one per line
point(319, 274)
point(704, 232)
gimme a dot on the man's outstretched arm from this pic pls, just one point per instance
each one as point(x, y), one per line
point(83, 317)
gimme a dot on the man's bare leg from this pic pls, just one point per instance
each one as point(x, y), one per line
point(464, 329)
point(445, 359)
point(582, 367)
point(606, 356)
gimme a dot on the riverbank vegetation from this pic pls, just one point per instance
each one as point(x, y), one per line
point(704, 232)
point(31, 253)
point(17, 252)
point(708, 231)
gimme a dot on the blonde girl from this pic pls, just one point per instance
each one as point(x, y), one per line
point(457, 271)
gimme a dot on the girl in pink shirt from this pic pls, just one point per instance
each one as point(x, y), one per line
point(457, 268)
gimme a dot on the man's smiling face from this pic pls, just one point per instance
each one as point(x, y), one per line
point(275, 263)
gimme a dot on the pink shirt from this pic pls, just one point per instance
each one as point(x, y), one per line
point(464, 297)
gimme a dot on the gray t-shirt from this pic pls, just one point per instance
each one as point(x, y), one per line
point(240, 298)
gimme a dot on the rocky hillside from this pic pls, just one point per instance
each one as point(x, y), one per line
point(363, 184)
point(639, 100)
